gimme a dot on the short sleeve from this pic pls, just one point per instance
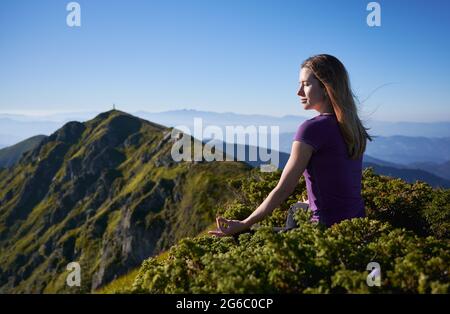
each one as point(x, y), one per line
point(311, 132)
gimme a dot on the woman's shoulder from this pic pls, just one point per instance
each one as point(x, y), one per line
point(318, 121)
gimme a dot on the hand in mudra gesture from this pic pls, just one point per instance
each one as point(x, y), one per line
point(228, 227)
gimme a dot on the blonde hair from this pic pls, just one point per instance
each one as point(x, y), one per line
point(334, 80)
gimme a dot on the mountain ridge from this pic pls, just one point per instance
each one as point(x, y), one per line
point(105, 193)
point(10, 155)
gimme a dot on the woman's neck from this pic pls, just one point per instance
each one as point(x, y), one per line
point(326, 109)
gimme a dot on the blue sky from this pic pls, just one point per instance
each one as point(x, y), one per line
point(227, 56)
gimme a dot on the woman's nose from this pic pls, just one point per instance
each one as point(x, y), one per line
point(301, 92)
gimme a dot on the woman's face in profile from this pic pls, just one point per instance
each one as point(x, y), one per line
point(310, 93)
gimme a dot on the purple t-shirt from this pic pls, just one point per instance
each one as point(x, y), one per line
point(333, 180)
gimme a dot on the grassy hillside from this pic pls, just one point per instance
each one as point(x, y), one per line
point(406, 232)
point(105, 193)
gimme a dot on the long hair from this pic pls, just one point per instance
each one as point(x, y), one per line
point(334, 80)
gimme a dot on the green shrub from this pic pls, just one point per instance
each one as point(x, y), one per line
point(406, 232)
point(437, 214)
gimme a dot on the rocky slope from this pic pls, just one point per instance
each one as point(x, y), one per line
point(106, 194)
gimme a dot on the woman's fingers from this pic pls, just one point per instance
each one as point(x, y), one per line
point(220, 224)
point(216, 233)
point(222, 220)
point(220, 231)
point(225, 227)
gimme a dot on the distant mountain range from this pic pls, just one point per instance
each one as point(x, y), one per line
point(441, 170)
point(20, 127)
point(429, 152)
point(387, 154)
point(13, 131)
point(382, 167)
point(9, 156)
point(398, 148)
point(408, 150)
point(403, 150)
point(290, 123)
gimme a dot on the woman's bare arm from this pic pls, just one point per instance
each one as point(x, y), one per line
point(296, 165)
point(300, 156)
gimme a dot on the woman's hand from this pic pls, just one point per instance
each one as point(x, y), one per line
point(228, 227)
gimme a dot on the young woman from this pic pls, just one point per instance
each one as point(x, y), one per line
point(327, 150)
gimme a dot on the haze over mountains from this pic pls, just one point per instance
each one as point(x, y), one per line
point(9, 156)
point(24, 126)
point(397, 145)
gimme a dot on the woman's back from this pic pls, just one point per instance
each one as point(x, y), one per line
point(333, 180)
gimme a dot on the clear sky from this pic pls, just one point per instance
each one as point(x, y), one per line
point(237, 55)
